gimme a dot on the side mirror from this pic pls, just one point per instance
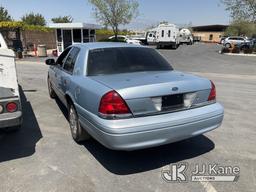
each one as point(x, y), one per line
point(50, 62)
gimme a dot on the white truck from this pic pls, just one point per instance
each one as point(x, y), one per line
point(186, 37)
point(167, 35)
point(10, 105)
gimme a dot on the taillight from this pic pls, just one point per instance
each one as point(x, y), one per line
point(11, 107)
point(212, 95)
point(112, 104)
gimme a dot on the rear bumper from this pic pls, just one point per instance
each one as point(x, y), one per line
point(144, 132)
point(10, 119)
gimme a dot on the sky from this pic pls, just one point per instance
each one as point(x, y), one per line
point(151, 12)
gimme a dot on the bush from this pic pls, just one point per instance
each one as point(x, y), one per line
point(225, 50)
point(235, 50)
point(248, 51)
point(23, 26)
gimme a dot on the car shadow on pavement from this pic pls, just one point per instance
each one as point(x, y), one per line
point(21, 143)
point(125, 163)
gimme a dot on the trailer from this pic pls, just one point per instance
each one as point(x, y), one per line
point(10, 105)
point(167, 35)
point(185, 37)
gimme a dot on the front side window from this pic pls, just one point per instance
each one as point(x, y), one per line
point(71, 60)
point(63, 56)
point(125, 60)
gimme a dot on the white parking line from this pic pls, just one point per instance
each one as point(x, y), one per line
point(208, 187)
point(227, 76)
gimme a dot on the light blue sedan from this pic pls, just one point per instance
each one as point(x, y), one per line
point(128, 97)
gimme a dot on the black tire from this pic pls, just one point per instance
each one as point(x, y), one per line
point(228, 45)
point(77, 132)
point(52, 93)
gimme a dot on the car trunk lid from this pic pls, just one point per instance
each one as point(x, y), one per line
point(158, 91)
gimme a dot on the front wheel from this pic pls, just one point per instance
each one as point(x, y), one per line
point(50, 89)
point(228, 45)
point(77, 132)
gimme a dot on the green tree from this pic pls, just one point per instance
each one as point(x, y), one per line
point(241, 9)
point(114, 13)
point(34, 19)
point(241, 27)
point(62, 19)
point(4, 15)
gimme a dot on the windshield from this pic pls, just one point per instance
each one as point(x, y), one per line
point(125, 60)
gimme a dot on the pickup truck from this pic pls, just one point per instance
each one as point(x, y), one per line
point(10, 105)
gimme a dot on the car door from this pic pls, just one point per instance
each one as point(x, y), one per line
point(67, 73)
point(57, 70)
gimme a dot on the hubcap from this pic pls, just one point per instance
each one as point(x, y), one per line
point(73, 121)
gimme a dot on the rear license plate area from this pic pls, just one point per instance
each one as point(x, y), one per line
point(170, 102)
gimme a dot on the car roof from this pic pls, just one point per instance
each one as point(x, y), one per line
point(102, 45)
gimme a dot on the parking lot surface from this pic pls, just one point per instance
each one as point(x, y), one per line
point(43, 157)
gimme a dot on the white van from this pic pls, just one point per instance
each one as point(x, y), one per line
point(167, 35)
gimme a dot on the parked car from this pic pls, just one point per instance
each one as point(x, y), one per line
point(222, 39)
point(122, 38)
point(129, 97)
point(10, 106)
point(235, 40)
point(253, 41)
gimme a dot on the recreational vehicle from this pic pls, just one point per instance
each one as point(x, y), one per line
point(185, 37)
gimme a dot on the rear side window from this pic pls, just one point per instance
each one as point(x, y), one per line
point(125, 60)
point(71, 60)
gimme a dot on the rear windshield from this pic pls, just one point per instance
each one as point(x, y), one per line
point(125, 60)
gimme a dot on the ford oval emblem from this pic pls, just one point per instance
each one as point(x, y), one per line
point(175, 89)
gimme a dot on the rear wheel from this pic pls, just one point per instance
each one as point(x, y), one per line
point(50, 89)
point(77, 132)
